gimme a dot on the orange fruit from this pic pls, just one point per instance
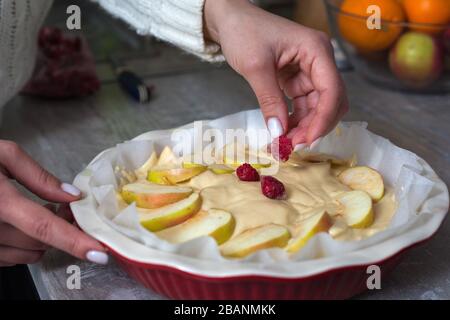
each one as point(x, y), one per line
point(353, 25)
point(428, 11)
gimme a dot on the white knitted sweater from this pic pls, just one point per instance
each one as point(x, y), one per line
point(179, 22)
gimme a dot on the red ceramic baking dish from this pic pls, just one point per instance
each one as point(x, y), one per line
point(335, 284)
point(187, 274)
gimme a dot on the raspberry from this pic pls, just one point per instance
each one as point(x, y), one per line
point(246, 172)
point(272, 188)
point(281, 148)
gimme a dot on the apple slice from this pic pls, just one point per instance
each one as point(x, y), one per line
point(173, 176)
point(251, 240)
point(216, 223)
point(358, 212)
point(240, 154)
point(150, 163)
point(170, 215)
point(365, 179)
point(151, 196)
point(319, 222)
point(337, 170)
point(320, 157)
point(221, 168)
point(188, 165)
point(238, 161)
point(167, 158)
point(190, 161)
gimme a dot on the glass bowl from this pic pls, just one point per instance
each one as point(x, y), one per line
point(400, 56)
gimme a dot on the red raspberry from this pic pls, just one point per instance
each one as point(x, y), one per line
point(281, 148)
point(272, 188)
point(246, 172)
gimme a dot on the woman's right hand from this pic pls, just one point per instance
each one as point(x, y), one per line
point(27, 228)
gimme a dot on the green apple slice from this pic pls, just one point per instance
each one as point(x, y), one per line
point(251, 240)
point(151, 196)
point(235, 154)
point(170, 215)
point(365, 179)
point(188, 165)
point(167, 158)
point(221, 168)
point(320, 157)
point(320, 222)
point(358, 212)
point(150, 163)
point(175, 175)
point(238, 161)
point(216, 223)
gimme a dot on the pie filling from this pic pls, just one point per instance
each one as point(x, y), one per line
point(181, 201)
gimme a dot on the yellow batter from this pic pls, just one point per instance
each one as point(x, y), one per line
point(310, 188)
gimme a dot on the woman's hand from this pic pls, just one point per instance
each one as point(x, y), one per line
point(279, 59)
point(27, 228)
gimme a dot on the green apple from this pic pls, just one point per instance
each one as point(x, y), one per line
point(417, 59)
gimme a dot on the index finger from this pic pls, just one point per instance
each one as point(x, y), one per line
point(330, 87)
point(41, 224)
point(30, 174)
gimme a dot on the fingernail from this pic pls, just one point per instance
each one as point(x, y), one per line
point(315, 143)
point(275, 128)
point(70, 189)
point(300, 147)
point(97, 257)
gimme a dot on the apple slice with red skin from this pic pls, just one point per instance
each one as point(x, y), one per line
point(151, 196)
point(168, 216)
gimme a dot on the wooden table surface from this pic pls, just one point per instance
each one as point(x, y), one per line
point(65, 135)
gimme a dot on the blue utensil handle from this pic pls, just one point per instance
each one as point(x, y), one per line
point(134, 86)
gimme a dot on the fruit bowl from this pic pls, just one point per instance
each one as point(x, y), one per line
point(396, 53)
point(324, 268)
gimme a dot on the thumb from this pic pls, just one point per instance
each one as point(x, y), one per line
point(271, 99)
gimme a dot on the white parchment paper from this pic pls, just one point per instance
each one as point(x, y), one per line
point(422, 197)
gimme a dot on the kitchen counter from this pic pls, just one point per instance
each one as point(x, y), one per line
point(64, 136)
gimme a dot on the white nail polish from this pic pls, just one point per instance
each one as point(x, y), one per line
point(315, 143)
point(300, 147)
point(97, 257)
point(70, 189)
point(275, 128)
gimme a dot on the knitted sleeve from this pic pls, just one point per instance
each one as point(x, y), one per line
point(19, 25)
point(179, 22)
